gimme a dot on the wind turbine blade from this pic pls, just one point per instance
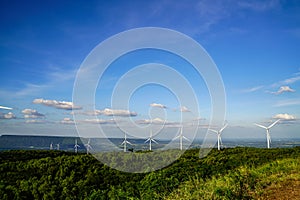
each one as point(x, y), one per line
point(123, 142)
point(5, 108)
point(154, 141)
point(261, 126)
point(178, 136)
point(213, 130)
point(185, 138)
point(223, 128)
point(147, 140)
point(274, 123)
point(128, 142)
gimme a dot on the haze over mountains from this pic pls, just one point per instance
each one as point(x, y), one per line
point(9, 142)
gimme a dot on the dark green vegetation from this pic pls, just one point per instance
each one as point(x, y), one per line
point(238, 173)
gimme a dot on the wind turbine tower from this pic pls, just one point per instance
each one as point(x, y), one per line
point(268, 131)
point(76, 146)
point(150, 140)
point(181, 137)
point(51, 146)
point(219, 132)
point(88, 146)
point(57, 146)
point(125, 142)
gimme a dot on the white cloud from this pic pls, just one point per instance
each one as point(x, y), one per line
point(283, 89)
point(291, 80)
point(57, 104)
point(9, 115)
point(184, 109)
point(67, 121)
point(253, 89)
point(88, 121)
point(30, 89)
point(199, 119)
point(34, 121)
point(30, 113)
point(155, 121)
point(55, 78)
point(88, 113)
point(210, 13)
point(149, 121)
point(282, 84)
point(287, 81)
point(59, 75)
point(284, 116)
point(108, 112)
point(99, 121)
point(289, 102)
point(120, 113)
point(158, 105)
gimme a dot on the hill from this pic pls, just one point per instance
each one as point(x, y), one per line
point(234, 173)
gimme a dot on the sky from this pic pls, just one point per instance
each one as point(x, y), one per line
point(254, 44)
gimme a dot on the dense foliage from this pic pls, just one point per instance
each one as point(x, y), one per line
point(242, 183)
point(62, 175)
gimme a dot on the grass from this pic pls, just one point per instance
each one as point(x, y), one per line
point(242, 183)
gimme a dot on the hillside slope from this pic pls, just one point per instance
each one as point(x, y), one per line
point(237, 173)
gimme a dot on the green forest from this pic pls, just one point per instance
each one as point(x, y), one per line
point(233, 173)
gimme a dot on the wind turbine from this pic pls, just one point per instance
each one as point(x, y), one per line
point(125, 142)
point(268, 131)
point(5, 108)
point(76, 146)
point(88, 146)
point(181, 137)
point(57, 146)
point(51, 146)
point(150, 140)
point(219, 132)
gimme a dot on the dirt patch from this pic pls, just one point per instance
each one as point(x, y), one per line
point(289, 189)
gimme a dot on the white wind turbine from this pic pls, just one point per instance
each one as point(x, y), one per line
point(5, 108)
point(219, 132)
point(125, 142)
point(57, 146)
point(181, 137)
point(268, 131)
point(88, 146)
point(51, 146)
point(150, 140)
point(76, 146)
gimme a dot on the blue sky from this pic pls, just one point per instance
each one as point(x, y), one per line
point(255, 45)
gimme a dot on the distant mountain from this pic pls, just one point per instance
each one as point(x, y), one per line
point(36, 142)
point(24, 142)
